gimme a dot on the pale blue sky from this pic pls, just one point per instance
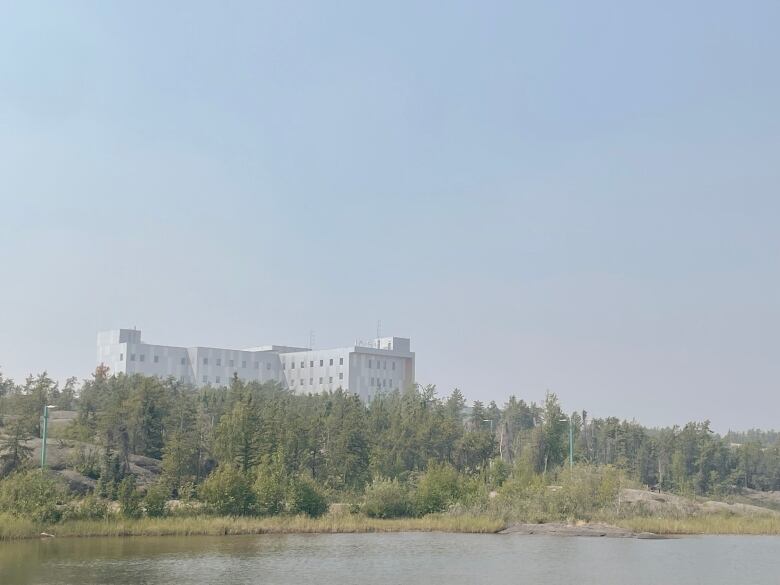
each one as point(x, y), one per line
point(552, 195)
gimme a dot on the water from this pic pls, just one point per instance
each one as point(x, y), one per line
point(431, 559)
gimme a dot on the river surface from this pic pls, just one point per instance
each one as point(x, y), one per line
point(426, 558)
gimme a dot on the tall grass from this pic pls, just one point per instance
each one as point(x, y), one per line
point(223, 525)
point(12, 527)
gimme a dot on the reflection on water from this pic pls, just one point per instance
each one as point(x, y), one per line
point(345, 559)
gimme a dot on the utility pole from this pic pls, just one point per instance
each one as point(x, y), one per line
point(571, 443)
point(44, 432)
point(571, 439)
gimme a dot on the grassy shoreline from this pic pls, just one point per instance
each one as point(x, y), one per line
point(16, 528)
point(12, 528)
point(710, 524)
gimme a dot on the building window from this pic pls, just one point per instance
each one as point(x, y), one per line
point(393, 365)
point(142, 357)
point(341, 375)
point(331, 361)
point(384, 365)
point(257, 365)
point(217, 379)
point(219, 362)
point(121, 357)
point(311, 381)
point(243, 363)
point(157, 359)
point(330, 380)
point(303, 365)
point(321, 363)
point(183, 361)
point(341, 361)
point(268, 366)
point(230, 363)
point(205, 379)
point(372, 381)
point(292, 382)
point(205, 361)
point(320, 380)
point(369, 364)
point(311, 364)
point(132, 357)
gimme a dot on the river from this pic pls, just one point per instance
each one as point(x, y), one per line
point(393, 558)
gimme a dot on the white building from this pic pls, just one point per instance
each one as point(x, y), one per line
point(386, 365)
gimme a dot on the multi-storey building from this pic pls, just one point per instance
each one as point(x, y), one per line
point(386, 364)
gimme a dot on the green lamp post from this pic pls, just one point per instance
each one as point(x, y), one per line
point(44, 432)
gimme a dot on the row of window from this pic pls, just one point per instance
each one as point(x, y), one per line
point(183, 361)
point(311, 363)
point(311, 380)
point(267, 365)
point(383, 383)
point(232, 363)
point(383, 365)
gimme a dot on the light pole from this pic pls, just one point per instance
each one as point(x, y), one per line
point(44, 432)
point(571, 441)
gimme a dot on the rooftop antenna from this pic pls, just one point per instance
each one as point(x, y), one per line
point(378, 332)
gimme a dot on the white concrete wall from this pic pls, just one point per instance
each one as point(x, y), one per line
point(364, 371)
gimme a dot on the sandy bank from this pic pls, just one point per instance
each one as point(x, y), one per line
point(562, 529)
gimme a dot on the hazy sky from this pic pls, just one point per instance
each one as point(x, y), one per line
point(581, 197)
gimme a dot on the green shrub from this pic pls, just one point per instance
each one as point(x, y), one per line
point(111, 474)
point(386, 498)
point(156, 496)
point(437, 489)
point(86, 461)
point(228, 491)
point(32, 495)
point(90, 507)
point(270, 490)
point(585, 493)
point(129, 498)
point(305, 497)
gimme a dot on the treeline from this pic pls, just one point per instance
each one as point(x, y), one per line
point(292, 448)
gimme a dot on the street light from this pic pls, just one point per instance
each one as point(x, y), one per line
point(571, 441)
point(44, 431)
point(490, 420)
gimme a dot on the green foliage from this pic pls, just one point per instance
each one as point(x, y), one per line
point(14, 453)
point(437, 489)
point(305, 497)
point(32, 495)
point(156, 496)
point(86, 461)
point(581, 494)
point(271, 488)
point(129, 498)
point(388, 498)
point(417, 446)
point(112, 472)
point(228, 491)
point(238, 436)
point(90, 507)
